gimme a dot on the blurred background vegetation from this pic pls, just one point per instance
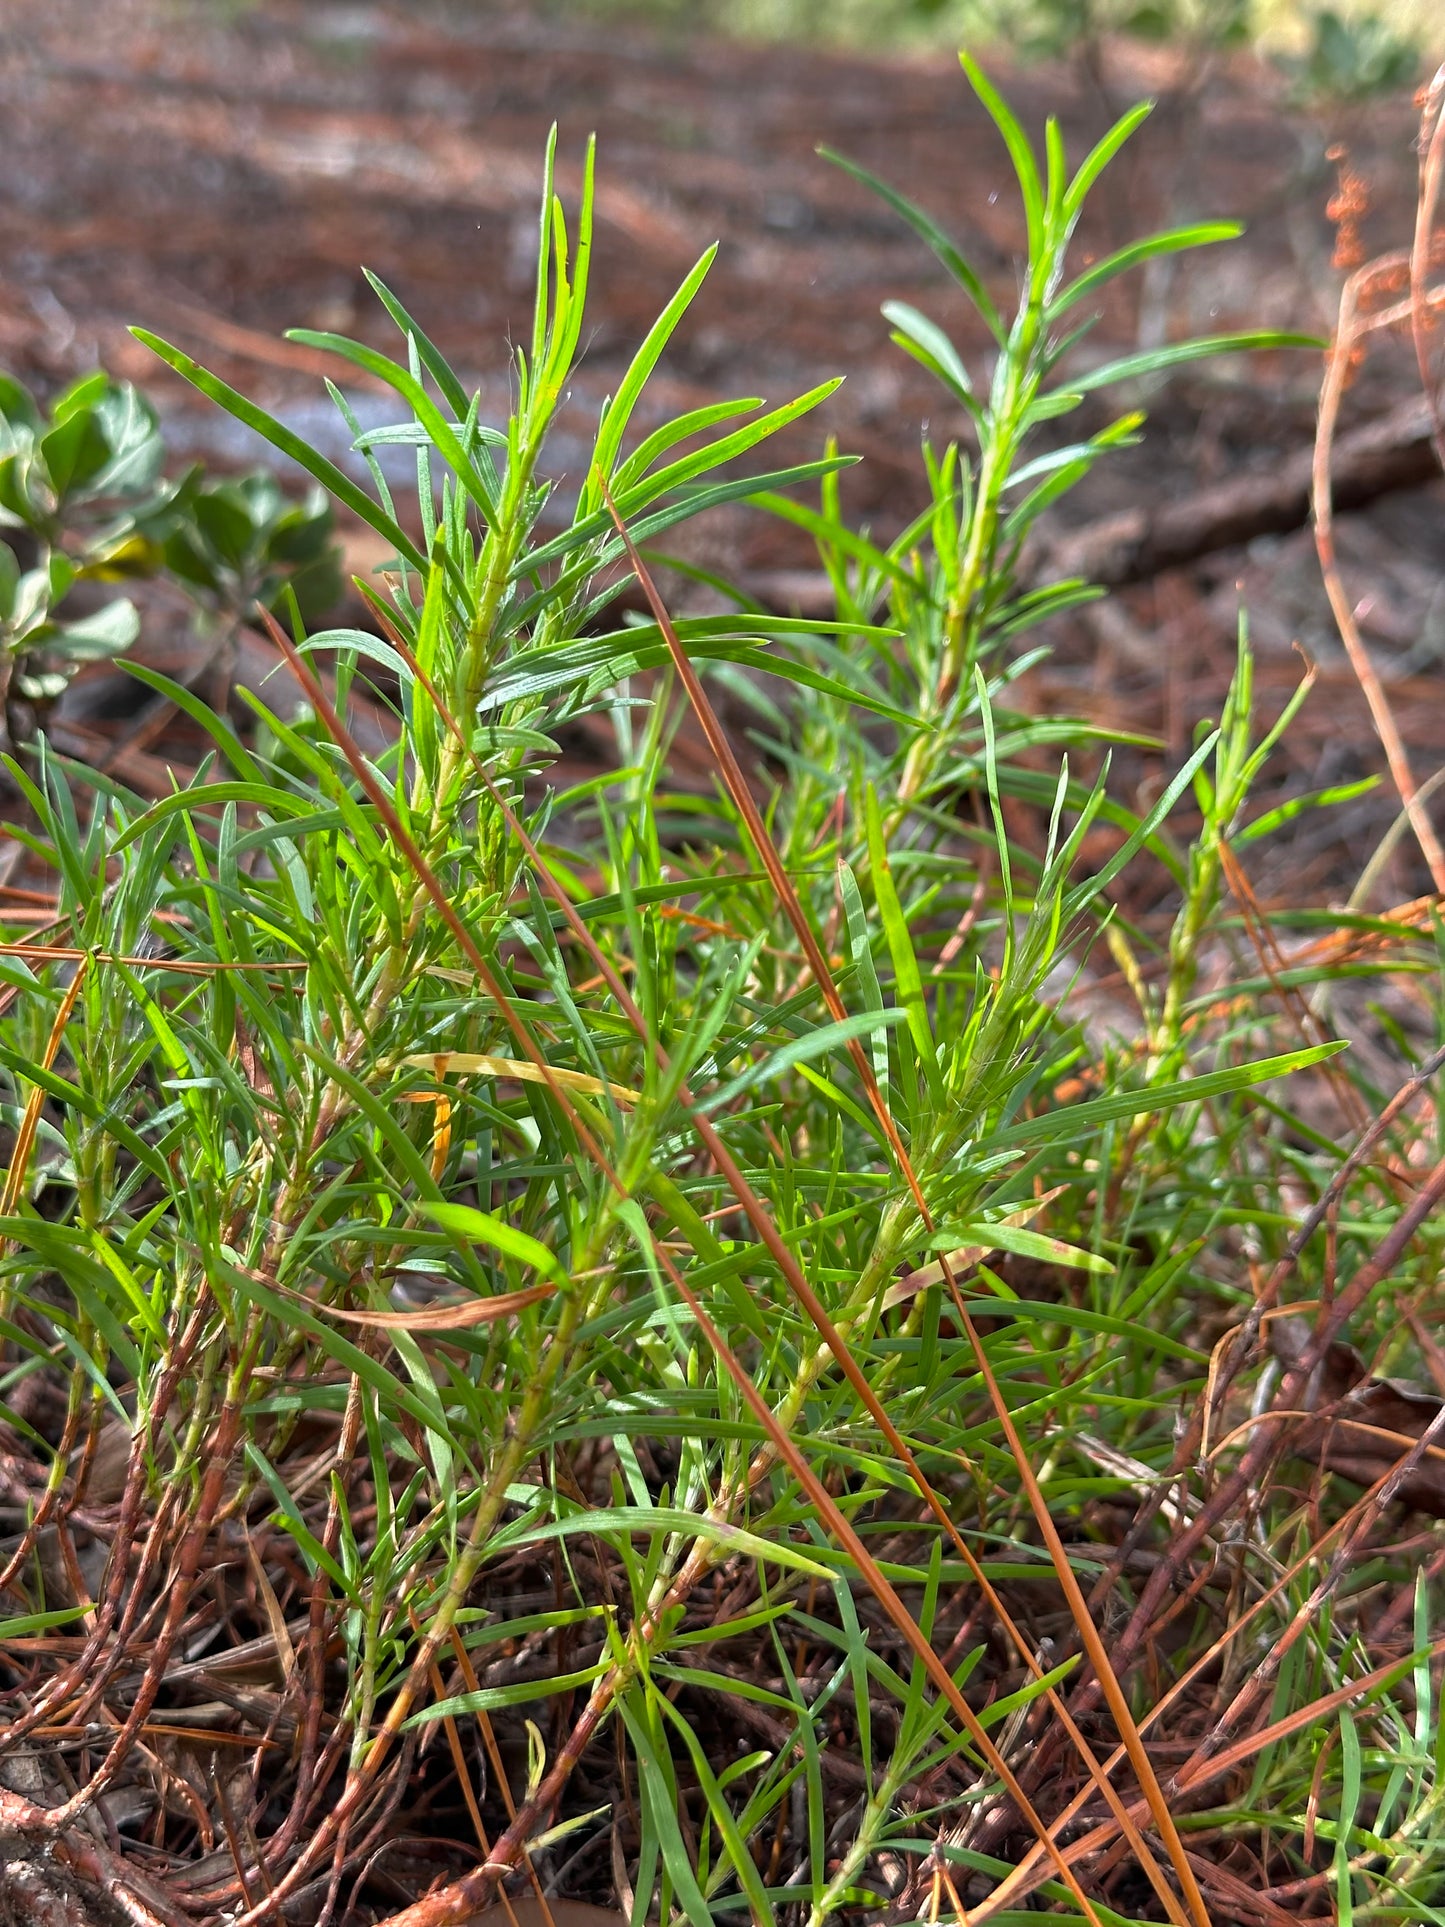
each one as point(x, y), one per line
point(1351, 47)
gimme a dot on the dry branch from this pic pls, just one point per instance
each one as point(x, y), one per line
point(1380, 458)
point(1396, 452)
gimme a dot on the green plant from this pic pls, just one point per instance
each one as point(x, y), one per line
point(84, 491)
point(234, 544)
point(667, 1205)
point(1369, 49)
point(985, 504)
point(81, 487)
point(1049, 28)
point(1351, 57)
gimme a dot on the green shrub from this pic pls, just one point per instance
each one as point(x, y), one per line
point(674, 1197)
point(84, 493)
point(1351, 58)
point(1333, 53)
point(234, 544)
point(81, 488)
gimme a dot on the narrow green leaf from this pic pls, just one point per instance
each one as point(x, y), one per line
point(24, 1624)
point(928, 344)
point(327, 473)
point(1173, 241)
point(1100, 155)
point(433, 360)
point(619, 410)
point(1021, 153)
point(1200, 349)
point(907, 978)
point(933, 236)
point(1023, 1242)
point(669, 1519)
point(801, 1050)
point(480, 1227)
point(443, 436)
point(489, 1698)
point(1150, 1100)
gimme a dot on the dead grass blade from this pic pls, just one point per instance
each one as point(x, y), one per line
point(35, 1102)
point(481, 1064)
point(445, 1318)
point(1356, 323)
point(182, 966)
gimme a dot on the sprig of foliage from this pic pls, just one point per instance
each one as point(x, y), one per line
point(985, 504)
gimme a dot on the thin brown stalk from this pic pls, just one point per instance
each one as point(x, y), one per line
point(1290, 1395)
point(1349, 332)
point(1192, 1779)
point(102, 1654)
point(307, 1776)
point(188, 1569)
point(1427, 206)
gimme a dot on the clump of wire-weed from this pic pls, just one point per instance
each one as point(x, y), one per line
point(662, 1203)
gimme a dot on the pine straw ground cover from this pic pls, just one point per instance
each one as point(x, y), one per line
point(645, 1343)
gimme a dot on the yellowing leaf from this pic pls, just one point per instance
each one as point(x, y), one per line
point(480, 1064)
